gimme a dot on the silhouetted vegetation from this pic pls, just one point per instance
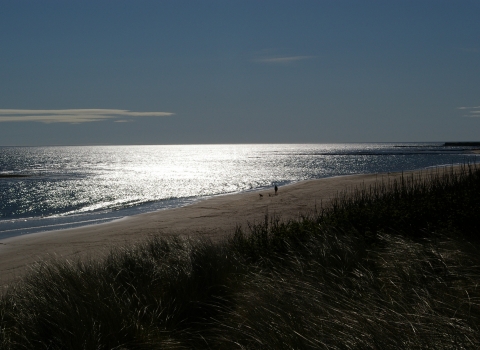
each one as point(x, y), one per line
point(391, 266)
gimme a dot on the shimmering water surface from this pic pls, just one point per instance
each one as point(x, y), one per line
point(72, 186)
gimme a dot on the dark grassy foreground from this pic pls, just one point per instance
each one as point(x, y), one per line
point(391, 267)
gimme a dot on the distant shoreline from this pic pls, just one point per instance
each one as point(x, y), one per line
point(462, 144)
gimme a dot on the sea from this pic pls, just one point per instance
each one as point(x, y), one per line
point(51, 188)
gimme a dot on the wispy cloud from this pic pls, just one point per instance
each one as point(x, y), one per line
point(472, 112)
point(283, 59)
point(73, 116)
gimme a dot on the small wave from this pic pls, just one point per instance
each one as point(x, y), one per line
point(57, 226)
point(12, 232)
point(8, 176)
point(105, 206)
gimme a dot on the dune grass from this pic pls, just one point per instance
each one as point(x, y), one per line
point(393, 266)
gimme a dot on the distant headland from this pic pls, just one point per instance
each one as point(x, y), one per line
point(462, 144)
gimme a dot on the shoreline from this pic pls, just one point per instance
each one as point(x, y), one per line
point(106, 221)
point(213, 218)
point(128, 212)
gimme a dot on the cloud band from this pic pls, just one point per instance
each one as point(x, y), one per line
point(73, 116)
point(473, 112)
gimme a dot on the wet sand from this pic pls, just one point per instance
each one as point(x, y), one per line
point(214, 218)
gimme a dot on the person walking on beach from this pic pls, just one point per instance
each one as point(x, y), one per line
point(276, 189)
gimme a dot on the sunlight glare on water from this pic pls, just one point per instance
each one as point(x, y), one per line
point(70, 185)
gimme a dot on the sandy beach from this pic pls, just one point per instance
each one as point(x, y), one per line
point(214, 218)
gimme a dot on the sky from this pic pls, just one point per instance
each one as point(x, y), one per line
point(238, 71)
